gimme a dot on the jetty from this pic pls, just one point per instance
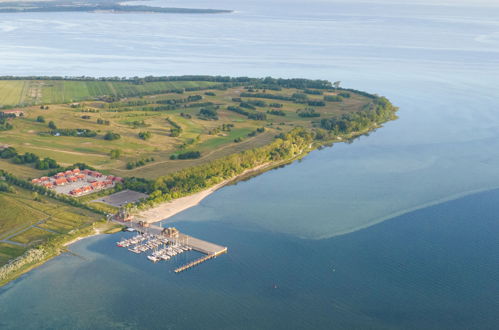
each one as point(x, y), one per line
point(166, 243)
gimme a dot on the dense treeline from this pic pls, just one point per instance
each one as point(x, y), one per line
point(308, 113)
point(176, 130)
point(250, 115)
point(186, 155)
point(28, 158)
point(81, 132)
point(379, 111)
point(208, 114)
point(200, 177)
point(277, 112)
point(138, 163)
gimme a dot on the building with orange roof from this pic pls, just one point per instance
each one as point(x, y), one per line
point(61, 181)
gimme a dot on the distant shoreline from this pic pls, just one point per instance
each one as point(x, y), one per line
point(54, 7)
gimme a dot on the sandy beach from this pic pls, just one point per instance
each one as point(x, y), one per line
point(169, 209)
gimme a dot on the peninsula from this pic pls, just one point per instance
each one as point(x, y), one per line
point(75, 150)
point(110, 6)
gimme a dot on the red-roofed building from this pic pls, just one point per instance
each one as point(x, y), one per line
point(61, 181)
point(36, 181)
point(48, 185)
point(87, 189)
point(76, 171)
point(118, 179)
point(44, 178)
point(72, 179)
point(76, 192)
point(95, 184)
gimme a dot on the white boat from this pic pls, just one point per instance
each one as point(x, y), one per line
point(153, 258)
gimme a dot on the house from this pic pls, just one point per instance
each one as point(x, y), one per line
point(118, 179)
point(48, 185)
point(44, 178)
point(76, 192)
point(61, 182)
point(76, 171)
point(36, 181)
point(72, 179)
point(80, 176)
point(59, 175)
point(86, 189)
point(68, 172)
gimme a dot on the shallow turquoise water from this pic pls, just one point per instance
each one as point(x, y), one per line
point(327, 242)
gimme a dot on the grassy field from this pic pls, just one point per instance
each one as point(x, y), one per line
point(132, 115)
point(15, 92)
point(28, 221)
point(9, 251)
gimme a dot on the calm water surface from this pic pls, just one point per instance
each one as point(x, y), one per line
point(309, 244)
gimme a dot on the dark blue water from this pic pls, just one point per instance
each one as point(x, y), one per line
point(373, 234)
point(435, 268)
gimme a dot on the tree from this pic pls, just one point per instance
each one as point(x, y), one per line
point(52, 125)
point(111, 136)
point(40, 119)
point(145, 135)
point(336, 84)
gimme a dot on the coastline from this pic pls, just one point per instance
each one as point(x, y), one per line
point(168, 209)
point(165, 210)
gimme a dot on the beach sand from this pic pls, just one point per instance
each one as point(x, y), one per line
point(168, 209)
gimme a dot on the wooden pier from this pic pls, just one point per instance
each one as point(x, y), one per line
point(198, 261)
point(210, 250)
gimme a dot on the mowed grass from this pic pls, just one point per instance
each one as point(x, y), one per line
point(32, 236)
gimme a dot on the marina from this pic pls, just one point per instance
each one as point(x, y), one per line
point(161, 244)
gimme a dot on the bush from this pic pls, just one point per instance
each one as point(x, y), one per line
point(111, 136)
point(187, 155)
point(145, 135)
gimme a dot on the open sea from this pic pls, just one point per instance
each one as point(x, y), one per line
point(397, 230)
